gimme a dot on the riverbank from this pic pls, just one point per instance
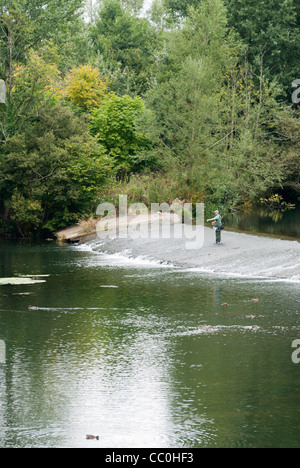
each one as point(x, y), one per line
point(239, 254)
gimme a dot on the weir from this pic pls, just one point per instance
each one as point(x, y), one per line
point(239, 255)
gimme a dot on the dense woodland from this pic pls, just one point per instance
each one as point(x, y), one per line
point(190, 99)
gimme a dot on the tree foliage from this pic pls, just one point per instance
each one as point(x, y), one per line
point(118, 126)
point(271, 32)
point(84, 87)
point(29, 23)
point(196, 93)
point(126, 41)
point(51, 173)
point(216, 126)
point(32, 86)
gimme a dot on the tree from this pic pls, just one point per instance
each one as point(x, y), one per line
point(269, 29)
point(28, 24)
point(118, 126)
point(32, 86)
point(126, 41)
point(251, 118)
point(84, 87)
point(216, 127)
point(179, 9)
point(54, 19)
point(14, 30)
point(157, 14)
point(51, 174)
point(289, 132)
point(271, 32)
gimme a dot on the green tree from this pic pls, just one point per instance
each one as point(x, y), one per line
point(120, 125)
point(26, 24)
point(15, 28)
point(32, 86)
point(54, 19)
point(179, 9)
point(51, 174)
point(289, 134)
point(158, 14)
point(271, 31)
point(126, 41)
point(216, 127)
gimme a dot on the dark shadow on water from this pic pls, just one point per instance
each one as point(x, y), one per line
point(285, 225)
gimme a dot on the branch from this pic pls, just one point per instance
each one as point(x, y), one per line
point(228, 134)
point(40, 178)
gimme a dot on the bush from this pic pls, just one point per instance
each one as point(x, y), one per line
point(153, 188)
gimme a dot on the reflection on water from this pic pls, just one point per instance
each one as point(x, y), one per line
point(131, 363)
point(267, 221)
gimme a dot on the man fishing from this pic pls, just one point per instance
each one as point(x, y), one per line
point(217, 223)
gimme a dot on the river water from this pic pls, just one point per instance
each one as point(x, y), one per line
point(283, 224)
point(100, 344)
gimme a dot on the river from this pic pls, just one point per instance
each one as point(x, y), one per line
point(283, 224)
point(107, 345)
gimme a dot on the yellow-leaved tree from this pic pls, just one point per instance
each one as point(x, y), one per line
point(85, 88)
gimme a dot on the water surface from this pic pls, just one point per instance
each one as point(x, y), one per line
point(113, 347)
point(279, 223)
